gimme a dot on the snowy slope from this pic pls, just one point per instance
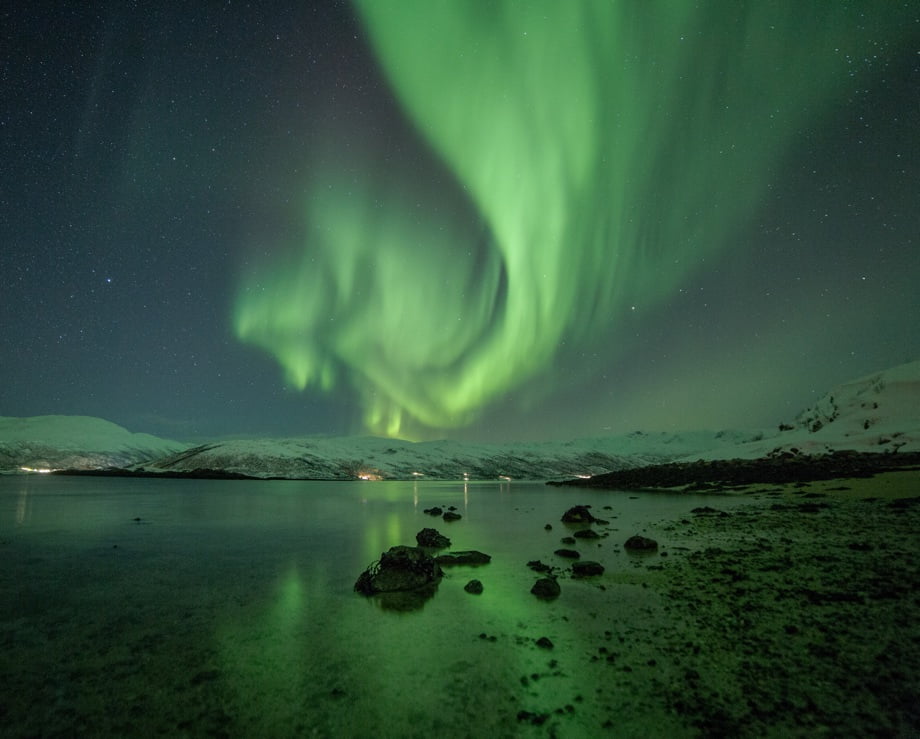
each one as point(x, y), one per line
point(356, 457)
point(83, 442)
point(876, 413)
point(880, 412)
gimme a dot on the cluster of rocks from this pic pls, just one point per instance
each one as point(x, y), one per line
point(417, 570)
point(405, 577)
point(782, 468)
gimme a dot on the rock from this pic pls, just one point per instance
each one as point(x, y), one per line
point(567, 553)
point(578, 514)
point(399, 569)
point(568, 540)
point(546, 588)
point(470, 557)
point(474, 587)
point(451, 516)
point(537, 566)
point(548, 527)
point(432, 539)
point(586, 534)
point(433, 511)
point(587, 569)
point(544, 643)
point(640, 544)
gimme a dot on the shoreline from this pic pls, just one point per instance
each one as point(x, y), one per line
point(739, 474)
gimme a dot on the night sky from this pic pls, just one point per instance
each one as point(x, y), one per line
point(488, 221)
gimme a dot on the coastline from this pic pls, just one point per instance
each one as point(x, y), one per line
point(798, 614)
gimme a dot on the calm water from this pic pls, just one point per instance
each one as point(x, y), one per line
point(227, 609)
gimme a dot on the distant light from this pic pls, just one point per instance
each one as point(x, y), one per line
point(40, 470)
point(504, 477)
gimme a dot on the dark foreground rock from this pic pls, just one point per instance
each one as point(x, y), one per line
point(567, 553)
point(546, 588)
point(474, 587)
point(470, 557)
point(432, 539)
point(399, 569)
point(587, 569)
point(640, 544)
point(578, 514)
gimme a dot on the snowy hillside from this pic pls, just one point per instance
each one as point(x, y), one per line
point(43, 442)
point(375, 458)
point(876, 413)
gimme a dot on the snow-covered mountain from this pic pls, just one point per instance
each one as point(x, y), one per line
point(876, 413)
point(880, 412)
point(81, 442)
point(350, 458)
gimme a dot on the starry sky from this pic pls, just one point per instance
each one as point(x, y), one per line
point(486, 221)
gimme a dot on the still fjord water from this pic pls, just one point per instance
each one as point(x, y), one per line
point(225, 608)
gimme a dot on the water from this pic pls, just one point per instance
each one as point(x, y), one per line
point(225, 608)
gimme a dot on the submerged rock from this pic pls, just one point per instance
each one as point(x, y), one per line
point(451, 516)
point(640, 544)
point(474, 587)
point(470, 557)
point(436, 511)
point(399, 569)
point(578, 514)
point(587, 569)
point(537, 566)
point(567, 553)
point(587, 534)
point(432, 539)
point(546, 588)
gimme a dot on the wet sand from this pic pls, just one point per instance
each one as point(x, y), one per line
point(799, 615)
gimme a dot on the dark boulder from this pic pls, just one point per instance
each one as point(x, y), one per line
point(399, 569)
point(640, 544)
point(537, 566)
point(544, 643)
point(451, 516)
point(546, 588)
point(587, 569)
point(474, 587)
point(568, 540)
point(471, 557)
point(586, 534)
point(433, 511)
point(432, 539)
point(567, 553)
point(578, 514)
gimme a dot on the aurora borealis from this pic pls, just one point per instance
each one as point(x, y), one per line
point(608, 149)
point(504, 220)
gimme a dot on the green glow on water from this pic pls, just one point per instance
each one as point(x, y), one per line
point(609, 151)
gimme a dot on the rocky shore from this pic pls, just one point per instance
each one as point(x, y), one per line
point(783, 468)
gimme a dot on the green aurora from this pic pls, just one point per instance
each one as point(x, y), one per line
point(605, 150)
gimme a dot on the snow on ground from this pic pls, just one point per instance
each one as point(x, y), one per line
point(375, 458)
point(876, 413)
point(879, 413)
point(43, 442)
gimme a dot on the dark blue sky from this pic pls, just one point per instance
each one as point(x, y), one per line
point(150, 151)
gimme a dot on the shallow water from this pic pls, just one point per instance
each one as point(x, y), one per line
point(225, 608)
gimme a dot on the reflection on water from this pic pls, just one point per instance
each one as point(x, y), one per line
point(226, 607)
